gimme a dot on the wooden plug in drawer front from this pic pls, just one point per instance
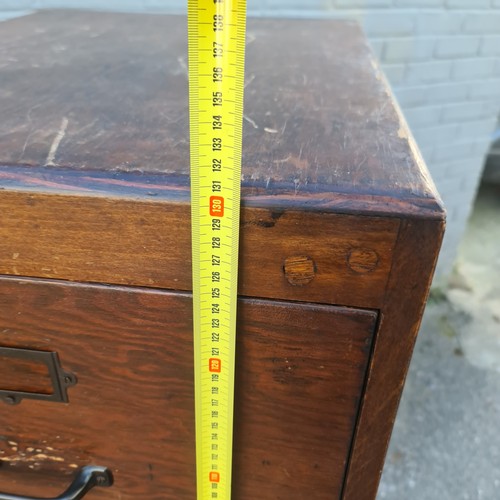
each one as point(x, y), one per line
point(300, 372)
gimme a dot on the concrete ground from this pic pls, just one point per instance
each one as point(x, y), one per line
point(446, 441)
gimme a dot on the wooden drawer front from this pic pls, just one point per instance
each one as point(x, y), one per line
point(300, 374)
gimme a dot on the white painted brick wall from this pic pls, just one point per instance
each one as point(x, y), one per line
point(361, 3)
point(442, 134)
point(421, 4)
point(442, 58)
point(443, 93)
point(490, 46)
point(485, 22)
point(457, 46)
point(488, 89)
point(436, 22)
point(475, 130)
point(403, 49)
point(465, 111)
point(394, 24)
point(466, 4)
point(428, 72)
point(395, 73)
point(424, 116)
point(465, 69)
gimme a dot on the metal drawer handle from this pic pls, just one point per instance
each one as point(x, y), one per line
point(86, 479)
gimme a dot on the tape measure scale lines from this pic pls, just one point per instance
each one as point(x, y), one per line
point(216, 36)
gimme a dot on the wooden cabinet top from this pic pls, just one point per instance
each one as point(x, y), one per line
point(98, 102)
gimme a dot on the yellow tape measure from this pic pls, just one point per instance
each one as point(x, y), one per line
point(216, 35)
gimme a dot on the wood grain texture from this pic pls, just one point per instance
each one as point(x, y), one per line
point(337, 208)
point(175, 189)
point(300, 371)
point(414, 261)
point(24, 375)
point(96, 239)
point(111, 95)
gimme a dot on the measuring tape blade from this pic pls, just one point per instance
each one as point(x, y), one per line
point(216, 36)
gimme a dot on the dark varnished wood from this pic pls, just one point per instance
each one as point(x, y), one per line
point(414, 261)
point(144, 243)
point(148, 186)
point(337, 208)
point(175, 189)
point(111, 95)
point(17, 374)
point(300, 371)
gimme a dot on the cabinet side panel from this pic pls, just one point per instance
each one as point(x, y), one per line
point(415, 258)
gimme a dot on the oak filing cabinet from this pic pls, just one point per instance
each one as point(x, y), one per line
point(340, 231)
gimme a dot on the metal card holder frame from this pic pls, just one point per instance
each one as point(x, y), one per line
point(60, 379)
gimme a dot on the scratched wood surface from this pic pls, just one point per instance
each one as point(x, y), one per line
point(108, 92)
point(338, 208)
point(300, 373)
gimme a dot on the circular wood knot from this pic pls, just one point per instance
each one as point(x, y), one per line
point(362, 260)
point(299, 270)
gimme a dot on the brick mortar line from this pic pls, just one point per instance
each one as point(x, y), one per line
point(476, 57)
point(437, 37)
point(443, 84)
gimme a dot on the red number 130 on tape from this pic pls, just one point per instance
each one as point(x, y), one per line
point(216, 206)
